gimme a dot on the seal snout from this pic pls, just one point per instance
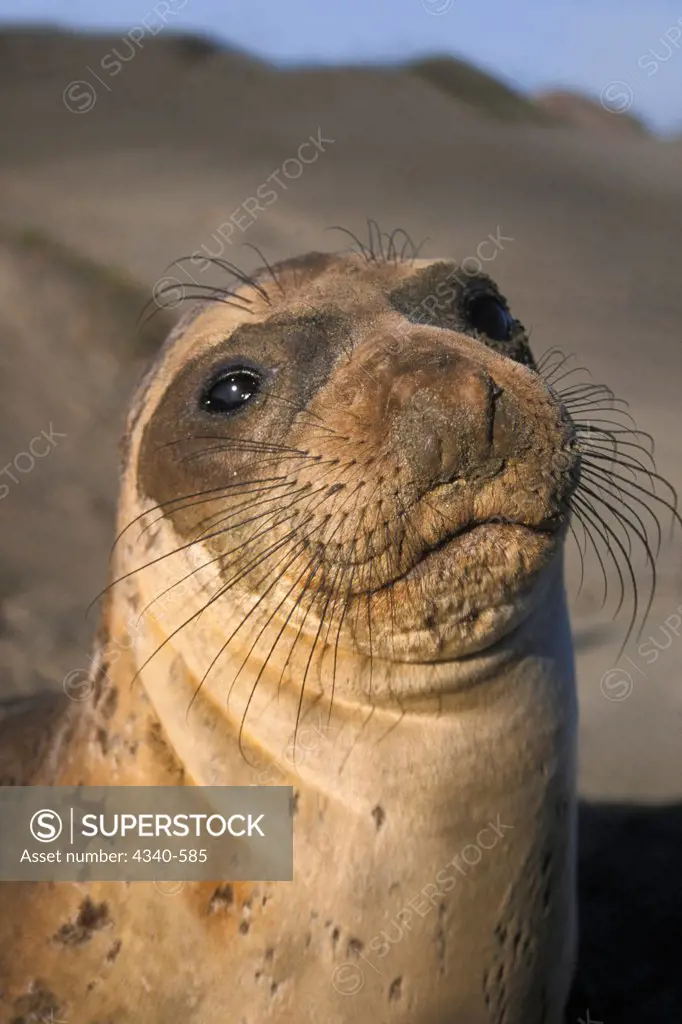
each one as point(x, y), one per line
point(445, 420)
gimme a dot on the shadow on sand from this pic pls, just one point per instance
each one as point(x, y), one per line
point(630, 882)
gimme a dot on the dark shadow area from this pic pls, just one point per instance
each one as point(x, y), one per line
point(630, 884)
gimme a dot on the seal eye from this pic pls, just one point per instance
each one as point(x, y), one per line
point(231, 391)
point(490, 317)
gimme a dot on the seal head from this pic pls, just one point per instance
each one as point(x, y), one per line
point(372, 442)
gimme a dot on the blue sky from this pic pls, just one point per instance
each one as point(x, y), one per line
point(532, 44)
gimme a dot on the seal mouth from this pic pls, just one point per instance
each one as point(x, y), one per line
point(435, 556)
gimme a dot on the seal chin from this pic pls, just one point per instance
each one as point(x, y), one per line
point(464, 596)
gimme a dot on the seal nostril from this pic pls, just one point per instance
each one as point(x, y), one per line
point(495, 392)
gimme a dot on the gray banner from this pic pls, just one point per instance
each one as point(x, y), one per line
point(146, 833)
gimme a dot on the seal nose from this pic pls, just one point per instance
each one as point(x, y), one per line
point(445, 419)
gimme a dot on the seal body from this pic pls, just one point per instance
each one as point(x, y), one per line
point(339, 567)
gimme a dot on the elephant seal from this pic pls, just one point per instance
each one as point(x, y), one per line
point(344, 497)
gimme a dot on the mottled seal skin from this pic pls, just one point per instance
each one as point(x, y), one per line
point(343, 505)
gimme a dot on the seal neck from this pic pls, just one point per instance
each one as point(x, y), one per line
point(273, 734)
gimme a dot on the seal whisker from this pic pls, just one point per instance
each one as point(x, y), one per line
point(302, 545)
point(391, 248)
point(308, 512)
point(590, 427)
point(209, 522)
point(551, 377)
point(611, 450)
point(177, 263)
point(343, 567)
point(589, 538)
point(609, 443)
point(233, 269)
point(267, 266)
point(547, 356)
point(332, 464)
point(335, 589)
point(266, 446)
point(598, 417)
point(143, 320)
point(160, 558)
point(417, 251)
point(393, 568)
point(314, 646)
point(183, 497)
point(337, 638)
point(175, 551)
point(607, 483)
point(245, 570)
point(218, 558)
point(605, 442)
point(594, 402)
point(366, 557)
point(303, 492)
point(274, 459)
point(269, 513)
point(297, 547)
point(338, 631)
point(177, 583)
point(250, 492)
point(315, 561)
point(219, 593)
point(359, 246)
point(213, 292)
point(581, 553)
point(625, 522)
point(586, 388)
point(585, 511)
point(299, 601)
point(205, 293)
point(239, 274)
point(373, 227)
point(268, 520)
point(586, 405)
point(671, 507)
point(369, 582)
point(299, 408)
point(600, 424)
point(637, 467)
point(407, 244)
